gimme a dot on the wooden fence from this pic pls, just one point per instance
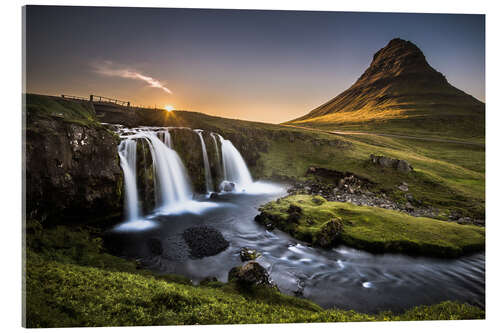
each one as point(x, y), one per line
point(107, 100)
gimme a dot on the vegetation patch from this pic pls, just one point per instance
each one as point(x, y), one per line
point(369, 228)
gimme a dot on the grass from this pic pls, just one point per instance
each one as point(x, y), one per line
point(78, 112)
point(375, 229)
point(70, 281)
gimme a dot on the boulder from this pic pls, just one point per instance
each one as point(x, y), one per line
point(267, 220)
point(401, 166)
point(204, 241)
point(329, 233)
point(227, 186)
point(250, 274)
point(294, 213)
point(247, 254)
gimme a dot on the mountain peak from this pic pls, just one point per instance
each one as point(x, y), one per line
point(398, 57)
point(398, 85)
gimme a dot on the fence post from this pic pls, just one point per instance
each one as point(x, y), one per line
point(91, 98)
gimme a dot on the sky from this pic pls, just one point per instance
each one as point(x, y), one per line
point(268, 66)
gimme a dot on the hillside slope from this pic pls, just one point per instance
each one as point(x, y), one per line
point(398, 93)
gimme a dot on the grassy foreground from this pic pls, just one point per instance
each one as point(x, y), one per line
point(70, 281)
point(374, 229)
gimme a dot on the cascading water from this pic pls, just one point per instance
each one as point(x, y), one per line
point(219, 168)
point(173, 186)
point(234, 167)
point(167, 138)
point(127, 150)
point(209, 185)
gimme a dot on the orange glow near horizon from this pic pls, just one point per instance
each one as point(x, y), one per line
point(169, 108)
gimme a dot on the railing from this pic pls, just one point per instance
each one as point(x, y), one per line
point(79, 98)
point(114, 101)
point(102, 99)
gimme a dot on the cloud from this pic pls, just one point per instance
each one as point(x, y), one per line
point(107, 68)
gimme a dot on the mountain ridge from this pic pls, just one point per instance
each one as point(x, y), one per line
point(399, 85)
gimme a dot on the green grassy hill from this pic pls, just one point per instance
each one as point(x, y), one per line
point(401, 93)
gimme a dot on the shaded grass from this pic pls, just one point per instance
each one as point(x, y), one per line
point(376, 229)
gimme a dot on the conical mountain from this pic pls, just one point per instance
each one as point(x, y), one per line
point(401, 92)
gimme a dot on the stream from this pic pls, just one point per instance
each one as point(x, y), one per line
point(342, 277)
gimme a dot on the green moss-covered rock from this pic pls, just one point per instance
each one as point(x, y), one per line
point(369, 228)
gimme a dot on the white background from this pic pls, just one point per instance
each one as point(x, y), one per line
point(10, 157)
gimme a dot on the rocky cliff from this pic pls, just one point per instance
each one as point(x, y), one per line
point(72, 165)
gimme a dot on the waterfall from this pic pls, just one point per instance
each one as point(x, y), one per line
point(167, 138)
point(127, 150)
point(234, 167)
point(206, 165)
point(219, 167)
point(172, 185)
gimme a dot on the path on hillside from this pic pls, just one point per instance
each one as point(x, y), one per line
point(391, 135)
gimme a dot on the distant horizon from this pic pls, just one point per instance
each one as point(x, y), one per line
point(256, 65)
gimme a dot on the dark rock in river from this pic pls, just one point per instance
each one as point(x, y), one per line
point(204, 241)
point(247, 254)
point(250, 274)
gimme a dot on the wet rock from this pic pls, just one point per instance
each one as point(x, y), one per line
point(329, 233)
point(155, 246)
point(247, 254)
point(204, 241)
point(250, 274)
point(266, 220)
point(227, 186)
point(214, 195)
point(318, 200)
point(294, 213)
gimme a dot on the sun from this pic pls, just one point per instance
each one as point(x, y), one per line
point(169, 108)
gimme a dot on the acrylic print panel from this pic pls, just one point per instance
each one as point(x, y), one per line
point(196, 166)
